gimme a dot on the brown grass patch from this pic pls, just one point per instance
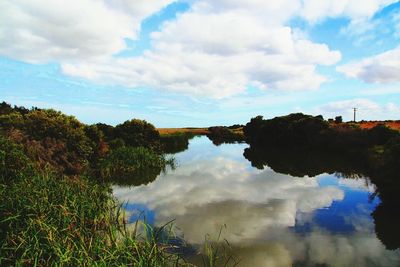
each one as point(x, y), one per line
point(197, 131)
point(371, 124)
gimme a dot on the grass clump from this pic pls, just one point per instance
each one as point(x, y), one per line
point(133, 165)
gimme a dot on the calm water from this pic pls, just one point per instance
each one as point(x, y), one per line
point(271, 219)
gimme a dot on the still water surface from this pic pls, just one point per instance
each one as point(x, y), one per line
point(271, 219)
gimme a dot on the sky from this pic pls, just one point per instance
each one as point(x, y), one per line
point(201, 62)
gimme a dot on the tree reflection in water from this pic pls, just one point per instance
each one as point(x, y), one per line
point(312, 162)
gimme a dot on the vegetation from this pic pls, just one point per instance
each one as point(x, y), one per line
point(55, 210)
point(133, 166)
point(313, 132)
point(61, 220)
point(49, 137)
point(222, 134)
point(190, 131)
point(175, 142)
point(304, 145)
point(61, 170)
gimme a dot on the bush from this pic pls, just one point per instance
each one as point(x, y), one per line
point(338, 119)
point(50, 137)
point(137, 133)
point(13, 162)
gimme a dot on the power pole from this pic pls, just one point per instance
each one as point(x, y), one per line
point(354, 110)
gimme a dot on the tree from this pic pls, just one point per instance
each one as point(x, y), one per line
point(338, 119)
point(137, 133)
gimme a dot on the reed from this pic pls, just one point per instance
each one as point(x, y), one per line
point(50, 220)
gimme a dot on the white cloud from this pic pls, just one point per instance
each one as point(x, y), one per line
point(217, 50)
point(382, 68)
point(358, 184)
point(44, 31)
point(316, 10)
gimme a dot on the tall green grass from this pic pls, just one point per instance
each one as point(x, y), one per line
point(133, 166)
point(50, 220)
point(217, 252)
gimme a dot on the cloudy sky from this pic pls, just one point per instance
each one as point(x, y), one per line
point(201, 62)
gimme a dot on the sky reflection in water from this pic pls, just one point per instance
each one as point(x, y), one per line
point(272, 219)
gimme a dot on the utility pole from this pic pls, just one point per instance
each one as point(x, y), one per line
point(354, 110)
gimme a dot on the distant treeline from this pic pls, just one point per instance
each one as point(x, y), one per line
point(298, 143)
point(313, 131)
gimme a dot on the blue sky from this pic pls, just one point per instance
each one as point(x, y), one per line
point(201, 63)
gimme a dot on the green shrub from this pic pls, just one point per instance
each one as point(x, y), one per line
point(137, 133)
point(13, 162)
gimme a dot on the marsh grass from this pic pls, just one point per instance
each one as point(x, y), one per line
point(49, 220)
point(133, 166)
point(217, 252)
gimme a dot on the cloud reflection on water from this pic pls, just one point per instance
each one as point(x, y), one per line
point(260, 209)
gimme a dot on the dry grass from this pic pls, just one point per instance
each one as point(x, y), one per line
point(195, 131)
point(370, 124)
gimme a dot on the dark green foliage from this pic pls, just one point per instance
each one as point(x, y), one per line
point(381, 134)
point(50, 137)
point(132, 166)
point(221, 134)
point(137, 133)
point(294, 129)
point(391, 155)
point(6, 108)
point(108, 131)
point(13, 161)
point(174, 143)
point(302, 162)
point(306, 131)
point(116, 143)
point(338, 119)
point(98, 145)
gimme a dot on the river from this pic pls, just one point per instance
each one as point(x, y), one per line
point(268, 218)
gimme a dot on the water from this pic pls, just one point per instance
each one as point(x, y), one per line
point(269, 218)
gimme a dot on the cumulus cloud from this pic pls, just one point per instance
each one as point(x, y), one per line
point(216, 49)
point(56, 31)
point(382, 68)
